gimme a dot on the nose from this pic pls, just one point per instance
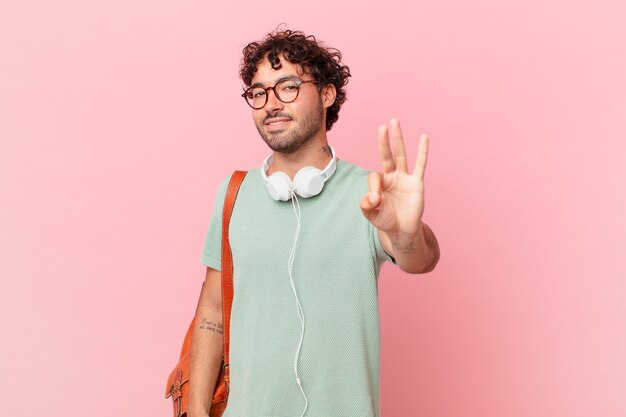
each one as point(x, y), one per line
point(273, 103)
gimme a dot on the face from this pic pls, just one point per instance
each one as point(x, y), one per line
point(285, 127)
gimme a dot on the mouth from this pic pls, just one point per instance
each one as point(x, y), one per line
point(277, 122)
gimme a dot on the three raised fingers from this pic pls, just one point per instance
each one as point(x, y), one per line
point(397, 160)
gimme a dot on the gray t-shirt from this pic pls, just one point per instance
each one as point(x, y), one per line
point(335, 272)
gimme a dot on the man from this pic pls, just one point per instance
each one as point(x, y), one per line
point(309, 233)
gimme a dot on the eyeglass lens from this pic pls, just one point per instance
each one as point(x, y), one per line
point(286, 91)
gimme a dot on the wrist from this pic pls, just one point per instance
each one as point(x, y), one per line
point(399, 237)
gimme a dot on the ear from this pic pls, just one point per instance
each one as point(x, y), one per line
point(328, 94)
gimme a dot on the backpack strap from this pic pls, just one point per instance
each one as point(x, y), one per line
point(227, 262)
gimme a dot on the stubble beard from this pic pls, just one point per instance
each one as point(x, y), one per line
point(291, 140)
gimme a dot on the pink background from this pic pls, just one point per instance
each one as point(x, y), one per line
point(118, 118)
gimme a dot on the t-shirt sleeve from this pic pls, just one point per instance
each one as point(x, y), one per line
point(381, 255)
point(212, 250)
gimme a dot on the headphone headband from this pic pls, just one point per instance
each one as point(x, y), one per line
point(307, 182)
point(327, 172)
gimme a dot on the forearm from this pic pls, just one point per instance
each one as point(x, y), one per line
point(417, 253)
point(207, 346)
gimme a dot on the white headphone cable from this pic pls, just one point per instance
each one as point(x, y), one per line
point(299, 307)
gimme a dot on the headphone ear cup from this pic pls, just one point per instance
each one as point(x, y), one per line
point(279, 185)
point(308, 182)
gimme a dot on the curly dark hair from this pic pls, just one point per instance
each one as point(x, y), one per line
point(322, 62)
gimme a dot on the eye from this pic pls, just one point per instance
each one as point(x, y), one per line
point(258, 93)
point(288, 86)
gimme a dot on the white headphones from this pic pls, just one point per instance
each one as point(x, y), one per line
point(308, 181)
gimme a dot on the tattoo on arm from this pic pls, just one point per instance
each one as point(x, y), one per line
point(406, 248)
point(212, 326)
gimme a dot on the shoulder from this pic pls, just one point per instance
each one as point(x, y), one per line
point(220, 192)
point(353, 175)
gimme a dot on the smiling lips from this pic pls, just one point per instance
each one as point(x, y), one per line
point(277, 121)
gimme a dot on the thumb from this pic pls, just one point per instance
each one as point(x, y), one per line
point(371, 201)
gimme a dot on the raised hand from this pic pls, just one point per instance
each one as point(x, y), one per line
point(395, 202)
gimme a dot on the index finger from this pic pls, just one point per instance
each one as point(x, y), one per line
point(398, 146)
point(386, 158)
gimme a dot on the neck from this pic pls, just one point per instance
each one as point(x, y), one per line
point(315, 153)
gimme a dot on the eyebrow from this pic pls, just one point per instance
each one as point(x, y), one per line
point(288, 77)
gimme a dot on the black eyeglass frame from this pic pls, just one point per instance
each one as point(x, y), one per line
point(298, 84)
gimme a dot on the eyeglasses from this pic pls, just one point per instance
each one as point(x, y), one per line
point(285, 90)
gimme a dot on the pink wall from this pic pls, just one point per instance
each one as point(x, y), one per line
point(118, 118)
